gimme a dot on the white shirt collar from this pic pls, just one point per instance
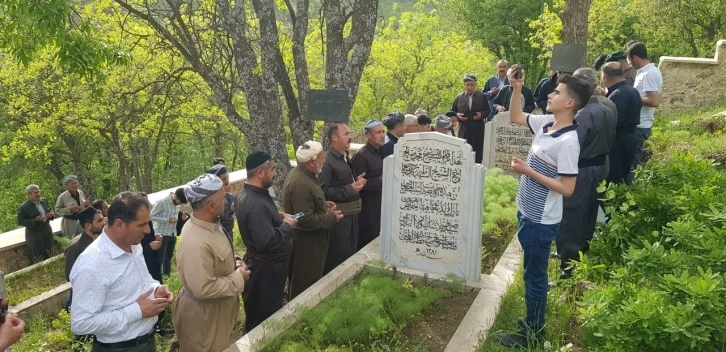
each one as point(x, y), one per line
point(112, 249)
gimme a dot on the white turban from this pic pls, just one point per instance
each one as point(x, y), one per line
point(202, 187)
point(308, 151)
point(69, 179)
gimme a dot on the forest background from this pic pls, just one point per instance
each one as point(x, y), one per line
point(162, 96)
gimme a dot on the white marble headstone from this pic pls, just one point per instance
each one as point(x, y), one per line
point(432, 206)
point(503, 140)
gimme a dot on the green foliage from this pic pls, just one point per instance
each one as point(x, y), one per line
point(662, 255)
point(503, 28)
point(29, 27)
point(417, 61)
point(44, 334)
point(26, 285)
point(499, 216)
point(368, 312)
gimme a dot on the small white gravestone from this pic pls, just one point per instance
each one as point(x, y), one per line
point(432, 206)
point(503, 140)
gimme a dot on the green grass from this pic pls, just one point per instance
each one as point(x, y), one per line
point(560, 328)
point(367, 314)
point(30, 284)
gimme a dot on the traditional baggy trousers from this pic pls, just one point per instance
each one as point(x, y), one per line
point(579, 215)
point(264, 292)
point(343, 242)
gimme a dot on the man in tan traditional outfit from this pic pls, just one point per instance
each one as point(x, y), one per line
point(207, 305)
point(69, 204)
point(302, 194)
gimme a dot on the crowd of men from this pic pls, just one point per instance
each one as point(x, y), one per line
point(589, 130)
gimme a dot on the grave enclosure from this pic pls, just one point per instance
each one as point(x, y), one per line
point(431, 226)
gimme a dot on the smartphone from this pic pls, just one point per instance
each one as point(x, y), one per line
point(298, 216)
point(3, 295)
point(518, 72)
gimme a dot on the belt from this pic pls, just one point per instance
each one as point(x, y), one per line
point(204, 301)
point(130, 343)
point(71, 217)
point(596, 161)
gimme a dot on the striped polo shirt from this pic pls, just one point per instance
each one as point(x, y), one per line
point(552, 154)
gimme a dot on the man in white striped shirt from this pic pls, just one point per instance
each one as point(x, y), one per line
point(548, 174)
point(164, 217)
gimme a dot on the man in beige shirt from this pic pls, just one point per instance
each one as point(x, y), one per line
point(69, 204)
point(207, 304)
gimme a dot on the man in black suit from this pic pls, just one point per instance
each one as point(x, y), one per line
point(35, 215)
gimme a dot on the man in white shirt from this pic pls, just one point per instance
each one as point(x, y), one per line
point(114, 297)
point(649, 83)
point(164, 217)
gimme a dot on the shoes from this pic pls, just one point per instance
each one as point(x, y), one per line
point(164, 332)
point(525, 338)
point(554, 255)
point(512, 340)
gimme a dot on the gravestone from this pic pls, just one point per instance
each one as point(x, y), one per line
point(432, 206)
point(503, 140)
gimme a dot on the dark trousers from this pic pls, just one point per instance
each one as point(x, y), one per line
point(369, 220)
point(166, 252)
point(579, 216)
point(263, 293)
point(144, 347)
point(343, 242)
point(473, 132)
point(307, 261)
point(38, 245)
point(641, 135)
point(621, 157)
point(536, 240)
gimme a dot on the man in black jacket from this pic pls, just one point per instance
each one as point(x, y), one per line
point(628, 103)
point(35, 215)
point(500, 103)
point(472, 108)
point(265, 233)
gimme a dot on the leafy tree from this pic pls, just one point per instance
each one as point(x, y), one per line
point(417, 61)
point(503, 27)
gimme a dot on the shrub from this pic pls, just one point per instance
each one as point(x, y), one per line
point(660, 261)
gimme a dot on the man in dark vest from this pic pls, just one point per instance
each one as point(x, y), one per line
point(35, 215)
point(472, 108)
point(266, 235)
point(369, 161)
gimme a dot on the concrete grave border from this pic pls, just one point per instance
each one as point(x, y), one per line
point(471, 332)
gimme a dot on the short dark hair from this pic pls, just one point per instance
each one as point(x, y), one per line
point(424, 120)
point(179, 193)
point(637, 49)
point(218, 160)
point(577, 89)
point(333, 130)
point(631, 42)
point(609, 71)
point(597, 65)
point(125, 206)
point(85, 221)
point(98, 203)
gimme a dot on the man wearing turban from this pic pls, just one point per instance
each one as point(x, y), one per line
point(69, 204)
point(207, 304)
point(302, 194)
point(369, 162)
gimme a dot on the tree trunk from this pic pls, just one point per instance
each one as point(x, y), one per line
point(575, 24)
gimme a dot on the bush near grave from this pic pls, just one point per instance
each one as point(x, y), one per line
point(659, 263)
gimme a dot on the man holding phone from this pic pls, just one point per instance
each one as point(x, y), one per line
point(265, 233)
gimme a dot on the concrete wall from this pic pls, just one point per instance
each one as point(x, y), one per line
point(693, 82)
point(12, 243)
